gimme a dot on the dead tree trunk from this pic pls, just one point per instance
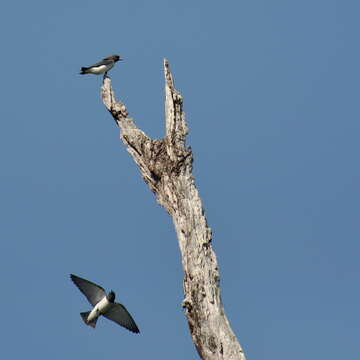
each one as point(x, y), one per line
point(166, 166)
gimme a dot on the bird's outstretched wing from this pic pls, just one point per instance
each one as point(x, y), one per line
point(93, 292)
point(121, 316)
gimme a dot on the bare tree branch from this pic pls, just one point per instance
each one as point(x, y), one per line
point(166, 166)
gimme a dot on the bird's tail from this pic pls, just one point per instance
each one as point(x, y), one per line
point(85, 315)
point(84, 70)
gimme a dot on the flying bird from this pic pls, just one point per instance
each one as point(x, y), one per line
point(103, 305)
point(102, 66)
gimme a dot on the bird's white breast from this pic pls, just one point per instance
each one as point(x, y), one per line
point(100, 69)
point(100, 308)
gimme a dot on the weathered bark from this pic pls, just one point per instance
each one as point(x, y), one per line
point(166, 166)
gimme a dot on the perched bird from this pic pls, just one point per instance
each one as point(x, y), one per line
point(102, 66)
point(103, 305)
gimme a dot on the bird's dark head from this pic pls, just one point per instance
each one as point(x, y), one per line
point(114, 58)
point(111, 296)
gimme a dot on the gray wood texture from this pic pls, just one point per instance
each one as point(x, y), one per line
point(166, 166)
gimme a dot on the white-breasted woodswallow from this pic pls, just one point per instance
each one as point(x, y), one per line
point(102, 66)
point(103, 305)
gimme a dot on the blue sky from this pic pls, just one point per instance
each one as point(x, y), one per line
point(271, 97)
